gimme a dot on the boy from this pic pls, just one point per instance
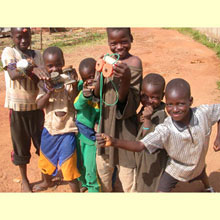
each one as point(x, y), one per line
point(87, 116)
point(150, 166)
point(120, 120)
point(26, 120)
point(184, 135)
point(58, 142)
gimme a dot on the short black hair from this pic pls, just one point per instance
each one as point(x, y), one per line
point(180, 85)
point(127, 29)
point(87, 63)
point(16, 28)
point(53, 50)
point(154, 79)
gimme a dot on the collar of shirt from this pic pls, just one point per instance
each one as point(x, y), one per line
point(193, 121)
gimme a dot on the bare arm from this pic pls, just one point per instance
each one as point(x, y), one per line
point(122, 71)
point(148, 111)
point(43, 101)
point(14, 74)
point(104, 140)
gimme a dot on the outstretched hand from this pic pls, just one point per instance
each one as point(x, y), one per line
point(88, 87)
point(103, 140)
point(41, 73)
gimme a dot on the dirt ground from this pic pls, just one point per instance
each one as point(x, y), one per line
point(162, 51)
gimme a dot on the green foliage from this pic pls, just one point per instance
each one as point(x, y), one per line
point(202, 38)
point(1, 66)
point(218, 84)
point(87, 38)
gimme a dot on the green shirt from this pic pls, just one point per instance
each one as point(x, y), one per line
point(87, 109)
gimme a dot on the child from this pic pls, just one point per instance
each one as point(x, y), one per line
point(120, 120)
point(87, 115)
point(58, 140)
point(150, 166)
point(26, 120)
point(184, 135)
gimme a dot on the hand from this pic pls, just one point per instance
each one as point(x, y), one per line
point(88, 87)
point(48, 87)
point(103, 140)
point(148, 111)
point(216, 146)
point(122, 71)
point(41, 73)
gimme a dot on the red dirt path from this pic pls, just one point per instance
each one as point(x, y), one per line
point(162, 51)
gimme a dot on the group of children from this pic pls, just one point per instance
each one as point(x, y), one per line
point(103, 147)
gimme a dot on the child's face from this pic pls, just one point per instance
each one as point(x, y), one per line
point(87, 73)
point(119, 42)
point(21, 38)
point(178, 105)
point(53, 63)
point(151, 95)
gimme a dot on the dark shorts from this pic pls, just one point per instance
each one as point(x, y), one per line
point(167, 182)
point(25, 126)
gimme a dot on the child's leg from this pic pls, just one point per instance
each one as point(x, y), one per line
point(68, 160)
point(205, 180)
point(21, 140)
point(80, 164)
point(44, 184)
point(25, 183)
point(167, 183)
point(126, 179)
point(105, 172)
point(74, 185)
point(91, 176)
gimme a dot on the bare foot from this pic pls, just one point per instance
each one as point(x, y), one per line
point(42, 186)
point(83, 189)
point(25, 187)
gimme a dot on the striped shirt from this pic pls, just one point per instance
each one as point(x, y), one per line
point(21, 93)
point(186, 146)
point(59, 102)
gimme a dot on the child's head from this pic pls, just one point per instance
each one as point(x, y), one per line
point(152, 90)
point(87, 69)
point(21, 38)
point(53, 60)
point(119, 40)
point(178, 100)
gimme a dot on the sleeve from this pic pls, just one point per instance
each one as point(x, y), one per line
point(212, 112)
point(80, 85)
point(41, 90)
point(133, 99)
point(8, 56)
point(157, 139)
point(81, 102)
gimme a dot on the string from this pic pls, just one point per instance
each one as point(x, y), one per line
point(101, 89)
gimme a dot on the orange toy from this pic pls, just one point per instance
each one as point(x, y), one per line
point(107, 70)
point(105, 65)
point(99, 65)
